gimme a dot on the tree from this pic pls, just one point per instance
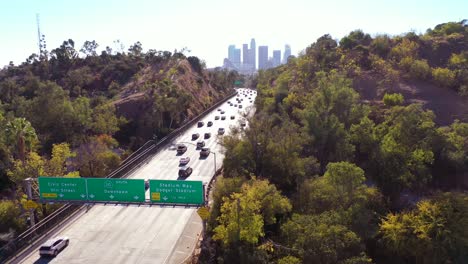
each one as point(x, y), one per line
point(32, 167)
point(96, 158)
point(345, 178)
point(21, 134)
point(136, 49)
point(321, 239)
point(57, 165)
point(89, 48)
point(105, 120)
point(434, 232)
point(244, 214)
point(9, 217)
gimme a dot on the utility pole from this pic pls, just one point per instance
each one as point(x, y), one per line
point(28, 188)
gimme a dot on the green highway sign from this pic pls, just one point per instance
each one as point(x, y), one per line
point(122, 190)
point(69, 189)
point(173, 191)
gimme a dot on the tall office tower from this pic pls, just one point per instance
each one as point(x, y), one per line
point(234, 56)
point(287, 53)
point(262, 57)
point(237, 58)
point(276, 58)
point(253, 54)
point(245, 54)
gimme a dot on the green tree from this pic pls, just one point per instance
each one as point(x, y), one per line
point(434, 232)
point(321, 239)
point(10, 220)
point(89, 48)
point(244, 214)
point(32, 167)
point(96, 158)
point(20, 133)
point(105, 120)
point(57, 165)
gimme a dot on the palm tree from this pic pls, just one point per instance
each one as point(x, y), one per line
point(20, 133)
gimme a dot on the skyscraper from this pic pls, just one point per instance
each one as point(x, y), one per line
point(287, 53)
point(234, 55)
point(276, 58)
point(262, 57)
point(245, 54)
point(253, 54)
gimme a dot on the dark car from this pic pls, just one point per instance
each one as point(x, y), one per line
point(216, 117)
point(210, 123)
point(201, 123)
point(205, 152)
point(223, 118)
point(181, 149)
point(184, 172)
point(221, 131)
point(207, 135)
point(232, 117)
point(200, 144)
point(195, 136)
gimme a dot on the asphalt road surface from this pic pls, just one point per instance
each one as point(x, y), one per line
point(144, 234)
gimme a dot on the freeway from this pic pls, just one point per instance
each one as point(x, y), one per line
point(145, 234)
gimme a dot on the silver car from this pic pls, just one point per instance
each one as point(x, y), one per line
point(53, 246)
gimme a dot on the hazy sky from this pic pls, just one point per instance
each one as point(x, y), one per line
point(207, 27)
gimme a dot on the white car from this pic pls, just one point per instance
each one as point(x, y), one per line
point(184, 161)
point(53, 246)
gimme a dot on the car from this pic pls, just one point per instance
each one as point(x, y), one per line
point(240, 106)
point(216, 117)
point(222, 112)
point(185, 171)
point(243, 124)
point(53, 246)
point(204, 152)
point(181, 149)
point(232, 117)
point(223, 118)
point(207, 135)
point(184, 160)
point(201, 123)
point(219, 109)
point(235, 105)
point(200, 144)
point(210, 123)
point(221, 131)
point(195, 136)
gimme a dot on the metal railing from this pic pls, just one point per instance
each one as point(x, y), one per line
point(130, 164)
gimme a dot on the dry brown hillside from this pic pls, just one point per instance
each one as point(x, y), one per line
point(445, 103)
point(137, 97)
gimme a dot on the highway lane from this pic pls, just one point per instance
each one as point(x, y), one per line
point(143, 234)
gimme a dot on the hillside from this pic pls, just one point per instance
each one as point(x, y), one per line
point(357, 153)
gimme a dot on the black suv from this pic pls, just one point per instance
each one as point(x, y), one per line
point(184, 172)
point(195, 136)
point(181, 149)
point(204, 152)
point(200, 124)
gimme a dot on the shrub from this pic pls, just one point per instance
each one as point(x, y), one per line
point(393, 99)
point(419, 69)
point(443, 77)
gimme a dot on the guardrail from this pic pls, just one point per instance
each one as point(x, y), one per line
point(130, 164)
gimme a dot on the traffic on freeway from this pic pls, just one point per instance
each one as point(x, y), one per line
point(150, 234)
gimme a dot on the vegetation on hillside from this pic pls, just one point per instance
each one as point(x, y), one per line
point(78, 114)
point(322, 176)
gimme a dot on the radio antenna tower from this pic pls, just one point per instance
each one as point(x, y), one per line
point(39, 35)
